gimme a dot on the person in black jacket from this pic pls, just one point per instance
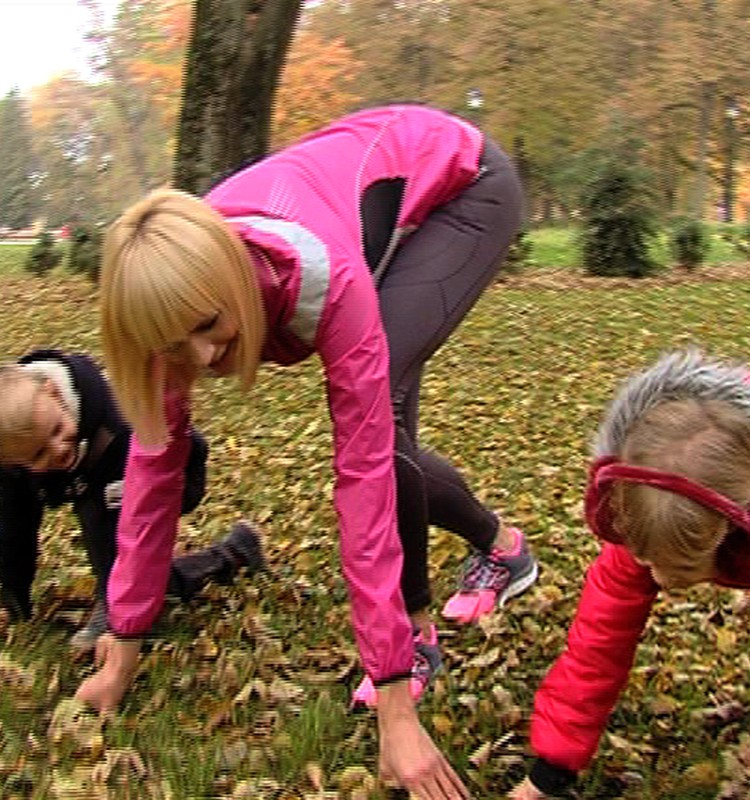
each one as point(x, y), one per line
point(63, 440)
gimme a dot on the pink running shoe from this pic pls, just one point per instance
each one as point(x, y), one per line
point(490, 580)
point(427, 662)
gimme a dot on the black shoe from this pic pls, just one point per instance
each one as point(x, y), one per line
point(243, 546)
point(239, 549)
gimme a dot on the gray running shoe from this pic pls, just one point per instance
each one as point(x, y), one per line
point(427, 662)
point(491, 580)
point(86, 637)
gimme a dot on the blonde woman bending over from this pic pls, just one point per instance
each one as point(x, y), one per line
point(367, 243)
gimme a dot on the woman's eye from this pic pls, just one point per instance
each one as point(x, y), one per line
point(172, 349)
point(206, 325)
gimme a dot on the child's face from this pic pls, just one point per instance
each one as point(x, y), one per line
point(667, 581)
point(210, 347)
point(51, 443)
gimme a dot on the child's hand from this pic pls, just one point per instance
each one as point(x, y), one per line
point(526, 791)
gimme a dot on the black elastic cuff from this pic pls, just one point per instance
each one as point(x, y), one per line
point(392, 679)
point(550, 779)
point(18, 604)
point(127, 637)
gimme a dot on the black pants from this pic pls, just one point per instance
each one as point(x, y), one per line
point(433, 280)
point(98, 509)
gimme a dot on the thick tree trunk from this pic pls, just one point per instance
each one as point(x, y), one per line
point(235, 58)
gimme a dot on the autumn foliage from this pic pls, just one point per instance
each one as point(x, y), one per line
point(317, 86)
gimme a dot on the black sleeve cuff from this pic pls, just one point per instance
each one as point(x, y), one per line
point(126, 637)
point(550, 779)
point(402, 676)
point(18, 604)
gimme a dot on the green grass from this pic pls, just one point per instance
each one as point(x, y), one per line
point(557, 246)
point(12, 257)
point(553, 246)
point(245, 689)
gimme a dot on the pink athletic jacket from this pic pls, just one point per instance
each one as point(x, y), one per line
point(298, 212)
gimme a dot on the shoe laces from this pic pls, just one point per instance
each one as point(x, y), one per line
point(421, 670)
point(483, 572)
point(97, 622)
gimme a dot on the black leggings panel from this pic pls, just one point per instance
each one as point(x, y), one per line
point(434, 278)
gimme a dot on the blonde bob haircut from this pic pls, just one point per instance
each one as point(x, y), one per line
point(169, 262)
point(19, 388)
point(707, 441)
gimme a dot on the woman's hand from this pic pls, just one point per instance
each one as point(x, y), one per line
point(408, 756)
point(526, 791)
point(106, 687)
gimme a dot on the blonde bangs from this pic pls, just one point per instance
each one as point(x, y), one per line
point(170, 261)
point(166, 291)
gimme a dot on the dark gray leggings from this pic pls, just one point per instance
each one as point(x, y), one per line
point(433, 280)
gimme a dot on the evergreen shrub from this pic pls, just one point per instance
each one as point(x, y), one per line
point(520, 255)
point(690, 243)
point(44, 256)
point(85, 250)
point(618, 224)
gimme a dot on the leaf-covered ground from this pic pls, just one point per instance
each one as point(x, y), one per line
point(243, 693)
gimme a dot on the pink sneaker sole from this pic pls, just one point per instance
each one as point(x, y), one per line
point(465, 607)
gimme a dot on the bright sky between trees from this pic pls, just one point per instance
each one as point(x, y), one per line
point(40, 39)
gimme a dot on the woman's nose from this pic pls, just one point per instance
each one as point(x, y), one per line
point(200, 350)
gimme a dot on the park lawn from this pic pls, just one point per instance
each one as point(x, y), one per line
point(558, 246)
point(243, 693)
point(12, 257)
point(552, 247)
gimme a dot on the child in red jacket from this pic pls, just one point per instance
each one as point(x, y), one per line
point(668, 493)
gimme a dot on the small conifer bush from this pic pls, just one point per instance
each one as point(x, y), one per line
point(618, 224)
point(44, 256)
point(85, 250)
point(520, 255)
point(690, 244)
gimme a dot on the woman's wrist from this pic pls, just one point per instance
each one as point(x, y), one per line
point(395, 700)
point(123, 656)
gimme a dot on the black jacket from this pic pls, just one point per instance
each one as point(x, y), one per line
point(24, 495)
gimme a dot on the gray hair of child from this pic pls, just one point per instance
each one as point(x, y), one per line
point(677, 375)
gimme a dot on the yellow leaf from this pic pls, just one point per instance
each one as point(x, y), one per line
point(441, 723)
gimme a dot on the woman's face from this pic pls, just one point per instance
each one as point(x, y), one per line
point(211, 347)
point(51, 443)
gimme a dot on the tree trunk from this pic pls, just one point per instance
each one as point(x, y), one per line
point(707, 90)
point(234, 61)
